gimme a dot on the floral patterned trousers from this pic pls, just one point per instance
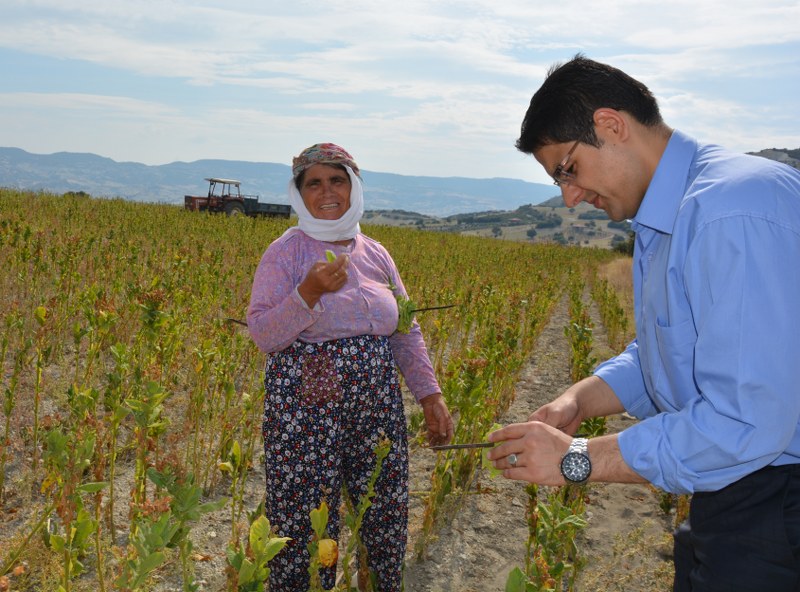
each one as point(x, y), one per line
point(327, 405)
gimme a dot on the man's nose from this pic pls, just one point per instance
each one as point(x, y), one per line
point(572, 195)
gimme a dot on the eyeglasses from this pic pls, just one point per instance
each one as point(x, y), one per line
point(560, 176)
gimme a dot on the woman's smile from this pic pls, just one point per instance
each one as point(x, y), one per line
point(326, 191)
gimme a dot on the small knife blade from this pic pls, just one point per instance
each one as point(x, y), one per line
point(459, 446)
point(433, 308)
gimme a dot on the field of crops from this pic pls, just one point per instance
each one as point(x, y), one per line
point(131, 399)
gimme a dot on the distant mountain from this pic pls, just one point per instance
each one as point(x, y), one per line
point(168, 183)
point(784, 155)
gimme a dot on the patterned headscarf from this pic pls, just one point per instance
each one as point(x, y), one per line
point(326, 153)
point(347, 226)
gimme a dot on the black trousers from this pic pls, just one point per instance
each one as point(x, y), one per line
point(745, 537)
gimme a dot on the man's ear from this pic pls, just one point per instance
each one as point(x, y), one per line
point(611, 123)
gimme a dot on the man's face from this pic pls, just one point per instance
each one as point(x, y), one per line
point(601, 177)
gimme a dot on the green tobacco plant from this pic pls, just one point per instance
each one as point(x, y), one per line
point(236, 464)
point(611, 313)
point(146, 550)
point(237, 470)
point(10, 395)
point(100, 323)
point(551, 554)
point(42, 355)
point(185, 508)
point(579, 333)
point(164, 523)
point(205, 358)
point(466, 394)
point(249, 566)
point(580, 338)
point(147, 409)
point(319, 523)
point(355, 518)
point(220, 408)
point(67, 457)
point(116, 412)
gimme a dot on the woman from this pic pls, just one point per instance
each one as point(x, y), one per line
point(332, 388)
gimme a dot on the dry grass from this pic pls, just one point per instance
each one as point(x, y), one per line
point(626, 570)
point(619, 275)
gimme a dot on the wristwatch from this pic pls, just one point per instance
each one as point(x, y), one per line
point(575, 464)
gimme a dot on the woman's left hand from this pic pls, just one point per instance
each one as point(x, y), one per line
point(437, 419)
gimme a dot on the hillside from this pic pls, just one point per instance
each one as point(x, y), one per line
point(503, 208)
point(549, 221)
point(784, 155)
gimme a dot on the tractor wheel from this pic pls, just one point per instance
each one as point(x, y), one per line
point(234, 208)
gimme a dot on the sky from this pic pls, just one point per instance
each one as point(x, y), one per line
point(413, 87)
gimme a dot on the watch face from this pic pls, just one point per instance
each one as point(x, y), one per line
point(576, 467)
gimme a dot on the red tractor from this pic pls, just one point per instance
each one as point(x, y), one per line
point(224, 196)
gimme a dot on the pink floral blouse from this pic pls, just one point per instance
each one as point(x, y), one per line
point(278, 316)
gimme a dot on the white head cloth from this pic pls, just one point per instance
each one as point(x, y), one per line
point(345, 227)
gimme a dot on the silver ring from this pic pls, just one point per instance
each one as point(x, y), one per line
point(512, 459)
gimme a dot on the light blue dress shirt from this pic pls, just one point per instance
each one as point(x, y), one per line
point(713, 372)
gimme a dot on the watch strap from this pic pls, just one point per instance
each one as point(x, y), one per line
point(579, 445)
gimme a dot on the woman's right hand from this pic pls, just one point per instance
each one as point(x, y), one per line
point(323, 277)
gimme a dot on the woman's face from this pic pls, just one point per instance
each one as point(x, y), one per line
point(325, 190)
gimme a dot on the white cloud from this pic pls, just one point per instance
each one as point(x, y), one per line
point(418, 87)
point(87, 104)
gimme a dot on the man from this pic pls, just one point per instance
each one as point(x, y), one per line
point(712, 373)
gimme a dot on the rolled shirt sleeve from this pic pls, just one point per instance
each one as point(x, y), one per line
point(623, 374)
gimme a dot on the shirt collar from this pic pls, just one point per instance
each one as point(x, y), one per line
point(661, 202)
